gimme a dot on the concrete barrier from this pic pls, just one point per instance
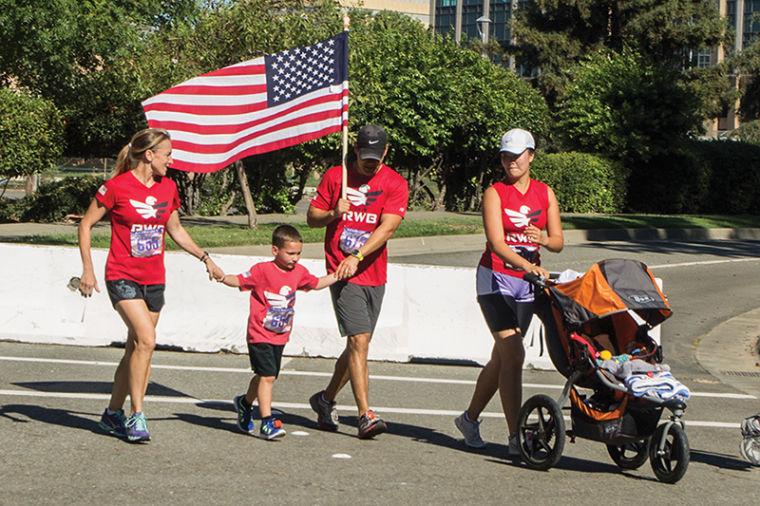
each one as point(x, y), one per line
point(429, 312)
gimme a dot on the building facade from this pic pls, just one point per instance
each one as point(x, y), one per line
point(418, 9)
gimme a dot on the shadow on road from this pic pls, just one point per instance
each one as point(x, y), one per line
point(60, 417)
point(719, 460)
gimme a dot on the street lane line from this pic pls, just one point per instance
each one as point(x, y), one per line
point(303, 406)
point(409, 379)
point(704, 262)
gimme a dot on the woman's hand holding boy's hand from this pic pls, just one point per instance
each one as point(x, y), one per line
point(215, 273)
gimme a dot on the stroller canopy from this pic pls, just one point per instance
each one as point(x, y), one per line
point(609, 287)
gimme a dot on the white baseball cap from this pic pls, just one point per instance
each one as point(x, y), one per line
point(516, 141)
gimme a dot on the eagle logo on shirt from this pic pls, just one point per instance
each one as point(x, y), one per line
point(282, 299)
point(149, 208)
point(362, 196)
point(523, 217)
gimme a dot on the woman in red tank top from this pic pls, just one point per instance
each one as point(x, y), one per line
point(520, 216)
point(142, 204)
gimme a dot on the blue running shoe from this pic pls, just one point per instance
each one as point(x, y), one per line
point(114, 423)
point(137, 428)
point(244, 415)
point(272, 429)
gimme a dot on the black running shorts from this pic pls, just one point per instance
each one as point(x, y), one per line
point(125, 289)
point(357, 307)
point(265, 358)
point(502, 312)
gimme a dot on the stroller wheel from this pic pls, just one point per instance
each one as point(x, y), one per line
point(669, 457)
point(542, 432)
point(630, 455)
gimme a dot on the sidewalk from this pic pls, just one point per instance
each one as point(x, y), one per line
point(408, 245)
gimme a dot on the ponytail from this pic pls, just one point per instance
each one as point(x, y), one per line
point(132, 153)
point(122, 162)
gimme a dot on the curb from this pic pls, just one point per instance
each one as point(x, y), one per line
point(730, 352)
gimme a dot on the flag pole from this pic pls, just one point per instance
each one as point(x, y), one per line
point(344, 178)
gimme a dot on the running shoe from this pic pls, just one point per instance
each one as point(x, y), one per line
point(113, 423)
point(327, 415)
point(137, 428)
point(370, 425)
point(244, 415)
point(470, 430)
point(513, 445)
point(271, 429)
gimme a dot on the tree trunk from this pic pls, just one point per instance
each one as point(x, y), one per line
point(249, 205)
point(32, 183)
point(441, 202)
point(225, 207)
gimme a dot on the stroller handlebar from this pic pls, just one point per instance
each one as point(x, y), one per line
point(540, 281)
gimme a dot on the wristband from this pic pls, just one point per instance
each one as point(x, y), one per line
point(204, 257)
point(358, 254)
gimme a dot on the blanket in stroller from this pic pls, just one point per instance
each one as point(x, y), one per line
point(661, 385)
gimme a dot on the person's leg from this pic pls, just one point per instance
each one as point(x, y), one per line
point(271, 427)
point(253, 390)
point(358, 347)
point(264, 393)
point(142, 325)
point(120, 388)
point(339, 378)
point(510, 348)
point(242, 404)
point(485, 386)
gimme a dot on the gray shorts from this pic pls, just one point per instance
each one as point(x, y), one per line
point(357, 307)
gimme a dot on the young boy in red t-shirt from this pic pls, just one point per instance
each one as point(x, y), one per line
point(273, 288)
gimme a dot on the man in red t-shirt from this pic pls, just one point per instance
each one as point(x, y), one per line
point(357, 230)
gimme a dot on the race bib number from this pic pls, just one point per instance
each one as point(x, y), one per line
point(147, 241)
point(352, 239)
point(279, 319)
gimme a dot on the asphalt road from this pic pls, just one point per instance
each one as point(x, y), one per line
point(52, 397)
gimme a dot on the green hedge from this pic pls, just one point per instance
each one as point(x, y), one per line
point(672, 183)
point(734, 176)
point(583, 183)
point(54, 200)
point(717, 177)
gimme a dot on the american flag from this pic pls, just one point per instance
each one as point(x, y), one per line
point(256, 106)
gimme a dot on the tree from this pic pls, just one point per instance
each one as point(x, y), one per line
point(622, 106)
point(31, 134)
point(65, 50)
point(553, 35)
point(444, 107)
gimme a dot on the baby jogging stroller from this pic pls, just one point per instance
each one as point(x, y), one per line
point(606, 312)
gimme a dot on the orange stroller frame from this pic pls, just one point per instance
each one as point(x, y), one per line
point(611, 307)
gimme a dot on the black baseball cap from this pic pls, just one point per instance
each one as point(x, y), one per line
point(371, 142)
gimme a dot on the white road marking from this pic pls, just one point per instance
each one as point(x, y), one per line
point(409, 379)
point(301, 406)
point(341, 456)
point(704, 262)
point(299, 433)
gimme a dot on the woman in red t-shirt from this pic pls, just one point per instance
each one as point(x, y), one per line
point(142, 203)
point(516, 212)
